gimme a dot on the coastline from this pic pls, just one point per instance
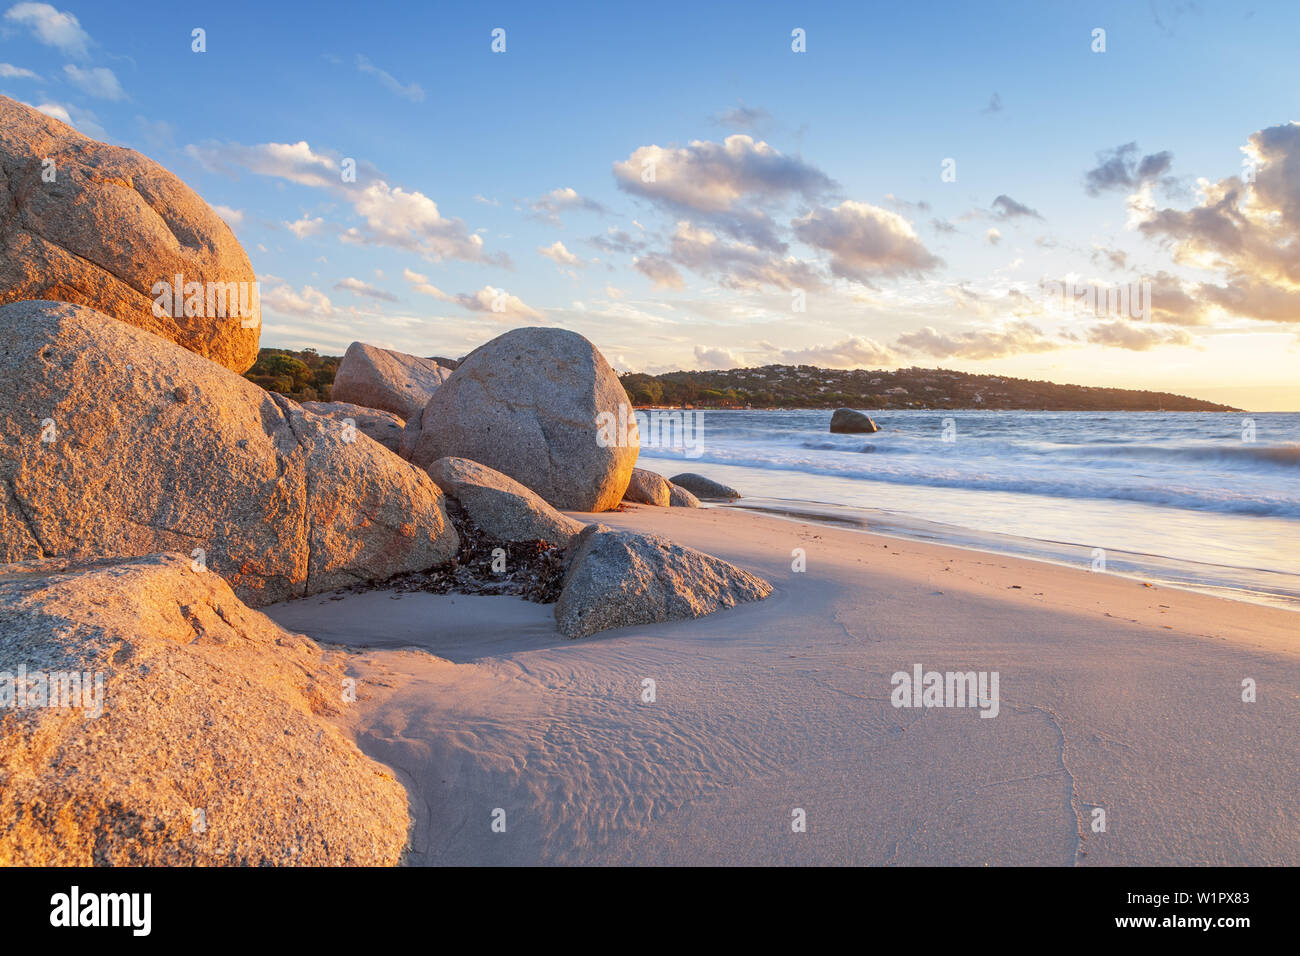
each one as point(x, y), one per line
point(911, 513)
point(1185, 574)
point(479, 704)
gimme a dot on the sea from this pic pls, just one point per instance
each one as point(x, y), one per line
point(1205, 501)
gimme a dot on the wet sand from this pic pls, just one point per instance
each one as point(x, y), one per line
point(1112, 695)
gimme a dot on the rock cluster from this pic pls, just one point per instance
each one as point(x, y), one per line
point(151, 498)
point(119, 443)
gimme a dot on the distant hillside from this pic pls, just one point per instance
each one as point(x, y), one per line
point(805, 386)
point(308, 377)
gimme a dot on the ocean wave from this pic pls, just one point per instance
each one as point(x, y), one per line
point(832, 446)
point(1285, 456)
point(1216, 495)
point(1107, 454)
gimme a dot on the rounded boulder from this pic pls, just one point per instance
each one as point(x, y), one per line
point(542, 406)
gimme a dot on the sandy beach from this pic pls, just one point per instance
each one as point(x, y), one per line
point(1114, 695)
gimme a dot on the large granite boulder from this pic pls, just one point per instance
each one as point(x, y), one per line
point(705, 488)
point(542, 406)
point(500, 505)
point(376, 424)
point(102, 226)
point(648, 488)
point(388, 380)
point(197, 731)
point(119, 443)
point(846, 421)
point(619, 578)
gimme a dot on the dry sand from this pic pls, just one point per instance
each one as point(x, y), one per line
point(1113, 695)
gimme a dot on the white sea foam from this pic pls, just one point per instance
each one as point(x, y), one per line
point(1171, 486)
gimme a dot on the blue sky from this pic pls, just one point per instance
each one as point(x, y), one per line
point(776, 173)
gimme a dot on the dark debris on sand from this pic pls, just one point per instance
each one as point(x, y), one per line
point(534, 570)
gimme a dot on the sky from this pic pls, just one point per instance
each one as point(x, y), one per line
point(700, 186)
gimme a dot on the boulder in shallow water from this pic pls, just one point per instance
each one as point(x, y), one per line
point(621, 578)
point(198, 732)
point(846, 421)
point(705, 488)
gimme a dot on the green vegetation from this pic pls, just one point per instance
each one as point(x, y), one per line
point(307, 377)
point(303, 376)
point(806, 386)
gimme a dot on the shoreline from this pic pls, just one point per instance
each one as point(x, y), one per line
point(1131, 565)
point(479, 704)
point(1185, 533)
point(956, 408)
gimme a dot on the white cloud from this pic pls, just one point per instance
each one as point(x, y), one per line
point(740, 265)
point(659, 271)
point(1136, 338)
point(158, 134)
point(420, 283)
point(1247, 228)
point(56, 110)
point(723, 183)
point(83, 121)
point(411, 91)
point(411, 220)
point(853, 352)
point(865, 241)
point(549, 207)
point(497, 302)
point(714, 177)
point(278, 296)
point(98, 81)
point(717, 358)
point(741, 116)
point(296, 162)
point(358, 287)
point(10, 72)
point(306, 226)
point(1015, 339)
point(233, 217)
point(51, 27)
point(561, 256)
point(391, 216)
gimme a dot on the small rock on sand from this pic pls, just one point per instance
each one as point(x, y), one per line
point(620, 578)
point(648, 488)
